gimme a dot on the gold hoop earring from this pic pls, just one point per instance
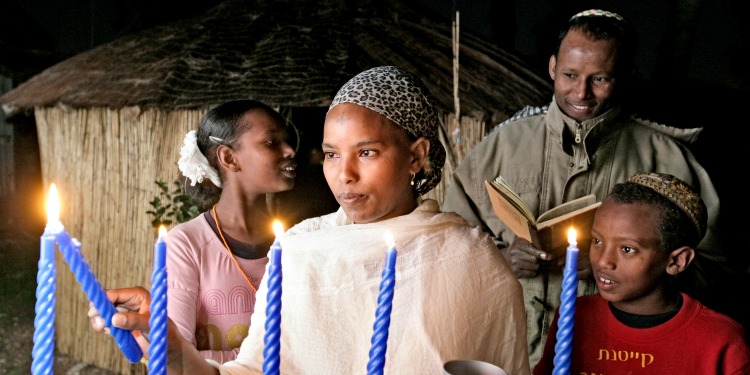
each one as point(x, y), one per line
point(412, 178)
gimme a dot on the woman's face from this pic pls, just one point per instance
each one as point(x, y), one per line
point(266, 161)
point(368, 163)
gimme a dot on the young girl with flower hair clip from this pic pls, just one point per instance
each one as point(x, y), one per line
point(238, 155)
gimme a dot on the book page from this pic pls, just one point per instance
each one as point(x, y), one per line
point(567, 207)
point(503, 188)
point(510, 215)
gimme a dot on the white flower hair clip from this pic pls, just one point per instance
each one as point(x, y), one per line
point(193, 164)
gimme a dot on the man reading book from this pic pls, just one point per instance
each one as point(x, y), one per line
point(583, 142)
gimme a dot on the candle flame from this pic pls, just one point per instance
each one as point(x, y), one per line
point(389, 240)
point(278, 228)
point(162, 231)
point(53, 205)
point(572, 236)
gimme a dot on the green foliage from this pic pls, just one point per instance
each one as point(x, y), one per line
point(169, 207)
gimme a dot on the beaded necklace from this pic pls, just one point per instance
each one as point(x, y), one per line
point(221, 234)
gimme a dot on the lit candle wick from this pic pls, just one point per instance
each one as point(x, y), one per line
point(572, 237)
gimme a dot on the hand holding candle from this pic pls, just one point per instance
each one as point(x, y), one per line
point(564, 344)
point(70, 249)
point(272, 338)
point(379, 340)
point(157, 351)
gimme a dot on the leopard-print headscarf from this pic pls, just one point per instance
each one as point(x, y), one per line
point(402, 98)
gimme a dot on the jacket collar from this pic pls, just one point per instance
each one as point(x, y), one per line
point(557, 121)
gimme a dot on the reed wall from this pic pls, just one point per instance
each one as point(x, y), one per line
point(104, 163)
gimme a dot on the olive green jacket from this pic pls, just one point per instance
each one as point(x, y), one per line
point(536, 153)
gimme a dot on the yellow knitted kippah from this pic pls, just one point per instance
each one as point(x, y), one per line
point(679, 193)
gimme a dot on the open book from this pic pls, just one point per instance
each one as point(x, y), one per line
point(549, 231)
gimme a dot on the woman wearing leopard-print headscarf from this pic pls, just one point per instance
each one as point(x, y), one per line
point(455, 296)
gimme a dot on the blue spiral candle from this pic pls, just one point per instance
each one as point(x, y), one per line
point(272, 338)
point(157, 351)
point(564, 344)
point(379, 340)
point(46, 285)
point(70, 249)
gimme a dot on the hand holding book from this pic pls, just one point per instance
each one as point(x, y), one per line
point(547, 232)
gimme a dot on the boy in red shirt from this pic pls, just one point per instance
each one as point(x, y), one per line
point(644, 236)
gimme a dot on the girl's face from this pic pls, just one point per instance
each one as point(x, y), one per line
point(263, 157)
point(368, 162)
point(626, 257)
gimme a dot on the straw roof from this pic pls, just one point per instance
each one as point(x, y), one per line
point(285, 53)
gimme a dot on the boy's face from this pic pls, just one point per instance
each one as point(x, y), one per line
point(626, 257)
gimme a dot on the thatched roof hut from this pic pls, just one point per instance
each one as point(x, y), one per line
point(110, 121)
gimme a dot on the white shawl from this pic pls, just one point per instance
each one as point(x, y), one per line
point(455, 297)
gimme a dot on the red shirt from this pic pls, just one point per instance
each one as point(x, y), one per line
point(697, 340)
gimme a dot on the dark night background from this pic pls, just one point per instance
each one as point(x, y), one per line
point(691, 58)
point(691, 61)
point(52, 30)
point(692, 65)
point(692, 68)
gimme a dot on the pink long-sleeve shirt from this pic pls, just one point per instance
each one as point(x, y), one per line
point(208, 298)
